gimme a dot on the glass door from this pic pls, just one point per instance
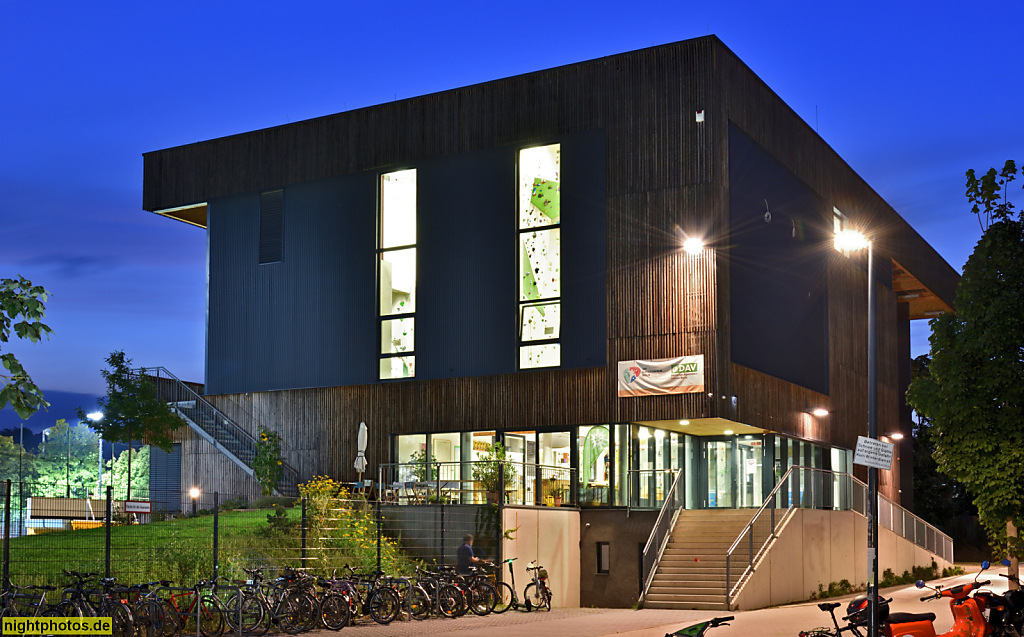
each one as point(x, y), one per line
point(750, 454)
point(720, 456)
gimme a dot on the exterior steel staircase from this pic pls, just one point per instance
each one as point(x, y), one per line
point(213, 426)
point(691, 574)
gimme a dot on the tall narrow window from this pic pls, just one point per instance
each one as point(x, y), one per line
point(540, 256)
point(396, 255)
point(271, 227)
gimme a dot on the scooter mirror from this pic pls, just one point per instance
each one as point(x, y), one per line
point(919, 583)
point(1005, 562)
point(985, 565)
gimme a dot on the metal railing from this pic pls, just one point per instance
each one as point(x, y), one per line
point(674, 501)
point(809, 488)
point(235, 442)
point(648, 488)
point(477, 482)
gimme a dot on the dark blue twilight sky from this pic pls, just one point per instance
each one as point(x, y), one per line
point(911, 94)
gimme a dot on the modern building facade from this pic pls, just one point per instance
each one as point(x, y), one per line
point(409, 265)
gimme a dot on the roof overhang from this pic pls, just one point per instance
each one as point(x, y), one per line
point(704, 426)
point(193, 215)
point(924, 304)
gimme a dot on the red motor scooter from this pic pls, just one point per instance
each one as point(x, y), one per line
point(968, 613)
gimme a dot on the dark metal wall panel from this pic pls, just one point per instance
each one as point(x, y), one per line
point(466, 265)
point(778, 290)
point(584, 247)
point(165, 478)
point(303, 321)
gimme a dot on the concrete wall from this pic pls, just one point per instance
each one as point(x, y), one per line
point(820, 547)
point(552, 537)
point(626, 536)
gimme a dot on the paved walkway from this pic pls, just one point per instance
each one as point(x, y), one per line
point(784, 621)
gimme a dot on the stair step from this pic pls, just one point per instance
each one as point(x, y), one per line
point(685, 605)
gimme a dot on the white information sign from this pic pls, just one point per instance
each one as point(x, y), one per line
point(873, 453)
point(137, 506)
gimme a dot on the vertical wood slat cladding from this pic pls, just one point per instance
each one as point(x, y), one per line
point(667, 176)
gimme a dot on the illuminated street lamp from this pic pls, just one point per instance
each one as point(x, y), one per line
point(96, 416)
point(848, 241)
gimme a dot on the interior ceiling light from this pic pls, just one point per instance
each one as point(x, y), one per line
point(684, 422)
point(728, 432)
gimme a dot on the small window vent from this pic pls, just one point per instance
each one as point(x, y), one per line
point(272, 226)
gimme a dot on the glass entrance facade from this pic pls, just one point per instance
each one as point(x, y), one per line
point(630, 465)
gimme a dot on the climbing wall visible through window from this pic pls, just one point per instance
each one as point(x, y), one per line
point(539, 256)
point(397, 274)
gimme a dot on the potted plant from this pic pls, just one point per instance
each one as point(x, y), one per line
point(487, 471)
point(420, 470)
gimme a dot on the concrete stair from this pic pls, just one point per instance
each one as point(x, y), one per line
point(691, 573)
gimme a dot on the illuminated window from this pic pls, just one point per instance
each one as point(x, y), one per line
point(397, 274)
point(540, 256)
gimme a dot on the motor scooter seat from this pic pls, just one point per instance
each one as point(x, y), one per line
point(906, 618)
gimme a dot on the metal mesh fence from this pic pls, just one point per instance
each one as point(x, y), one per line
point(215, 534)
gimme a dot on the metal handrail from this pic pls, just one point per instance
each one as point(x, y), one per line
point(438, 474)
point(794, 503)
point(659, 529)
point(244, 439)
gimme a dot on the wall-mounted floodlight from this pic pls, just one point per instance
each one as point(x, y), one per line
point(693, 246)
point(896, 436)
point(819, 412)
point(848, 240)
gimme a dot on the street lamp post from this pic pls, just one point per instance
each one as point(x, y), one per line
point(94, 416)
point(853, 240)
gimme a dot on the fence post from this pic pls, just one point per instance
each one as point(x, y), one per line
point(110, 522)
point(302, 526)
point(216, 533)
point(7, 533)
point(443, 552)
point(378, 533)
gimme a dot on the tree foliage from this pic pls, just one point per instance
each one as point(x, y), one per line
point(266, 466)
point(131, 409)
point(69, 457)
point(22, 306)
point(974, 393)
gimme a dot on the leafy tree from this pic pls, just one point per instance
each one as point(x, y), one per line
point(132, 411)
point(22, 305)
point(266, 465)
point(974, 394)
point(937, 498)
point(68, 460)
point(115, 473)
point(14, 461)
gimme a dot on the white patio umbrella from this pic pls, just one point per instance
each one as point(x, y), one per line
point(360, 463)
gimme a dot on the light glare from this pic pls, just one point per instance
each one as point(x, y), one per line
point(820, 411)
point(693, 246)
point(94, 416)
point(847, 240)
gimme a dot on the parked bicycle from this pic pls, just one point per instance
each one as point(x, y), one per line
point(537, 594)
point(698, 630)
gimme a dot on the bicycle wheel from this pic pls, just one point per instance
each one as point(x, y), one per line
point(66, 608)
point(171, 620)
point(384, 605)
point(537, 597)
point(314, 615)
point(418, 602)
point(484, 598)
point(334, 611)
point(246, 611)
point(149, 618)
point(293, 613)
point(449, 600)
point(505, 599)
point(122, 620)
